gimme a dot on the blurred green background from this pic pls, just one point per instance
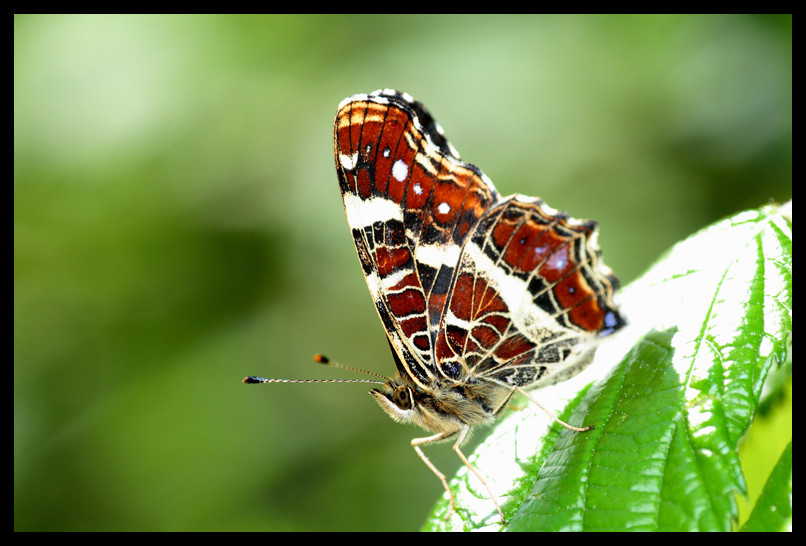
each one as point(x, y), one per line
point(178, 225)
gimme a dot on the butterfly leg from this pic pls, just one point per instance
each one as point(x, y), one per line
point(416, 443)
point(456, 446)
point(552, 415)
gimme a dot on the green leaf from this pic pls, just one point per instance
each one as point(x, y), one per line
point(773, 510)
point(706, 324)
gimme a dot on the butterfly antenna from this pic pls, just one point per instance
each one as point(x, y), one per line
point(322, 360)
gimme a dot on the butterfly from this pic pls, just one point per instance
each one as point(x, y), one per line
point(481, 296)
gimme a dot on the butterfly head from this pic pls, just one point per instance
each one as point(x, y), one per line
point(443, 409)
point(397, 400)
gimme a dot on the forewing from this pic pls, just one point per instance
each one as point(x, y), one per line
point(411, 204)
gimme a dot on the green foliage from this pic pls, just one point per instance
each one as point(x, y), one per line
point(708, 322)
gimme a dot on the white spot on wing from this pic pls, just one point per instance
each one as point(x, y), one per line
point(444, 208)
point(437, 255)
point(393, 279)
point(453, 320)
point(348, 161)
point(365, 212)
point(400, 170)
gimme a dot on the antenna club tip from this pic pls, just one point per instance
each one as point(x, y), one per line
point(321, 359)
point(252, 379)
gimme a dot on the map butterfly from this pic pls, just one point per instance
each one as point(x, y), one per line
point(481, 296)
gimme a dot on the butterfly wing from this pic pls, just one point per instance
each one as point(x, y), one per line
point(411, 204)
point(530, 295)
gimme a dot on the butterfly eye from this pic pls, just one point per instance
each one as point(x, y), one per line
point(401, 398)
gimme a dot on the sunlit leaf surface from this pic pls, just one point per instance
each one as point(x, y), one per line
point(707, 323)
